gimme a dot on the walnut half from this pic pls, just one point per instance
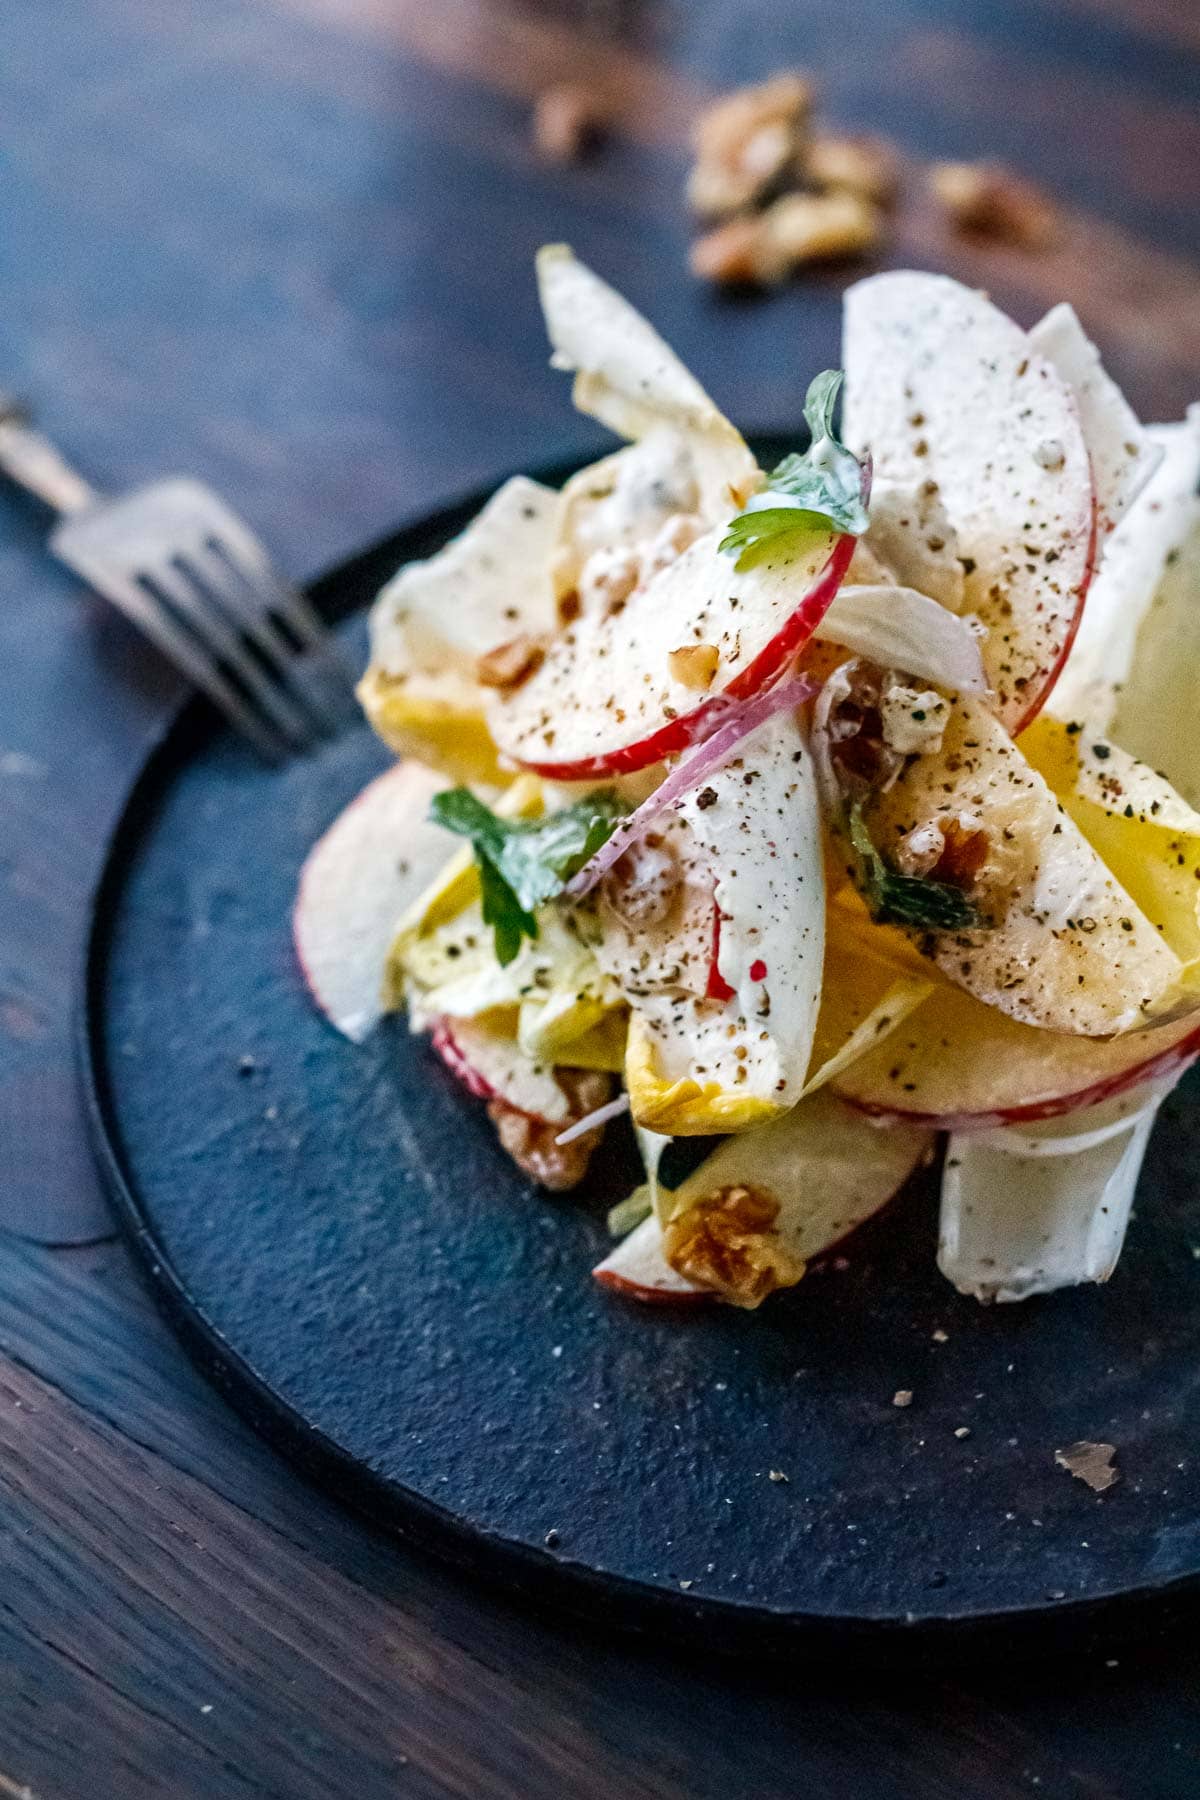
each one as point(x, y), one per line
point(727, 1242)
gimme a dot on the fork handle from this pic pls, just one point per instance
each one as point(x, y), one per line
point(31, 460)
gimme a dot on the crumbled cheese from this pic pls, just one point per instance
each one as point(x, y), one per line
point(913, 719)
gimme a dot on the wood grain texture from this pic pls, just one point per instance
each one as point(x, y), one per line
point(285, 244)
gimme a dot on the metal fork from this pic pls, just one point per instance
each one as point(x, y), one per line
point(193, 578)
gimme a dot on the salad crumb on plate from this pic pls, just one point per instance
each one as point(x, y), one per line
point(801, 808)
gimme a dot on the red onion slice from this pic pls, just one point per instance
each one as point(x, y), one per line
point(741, 718)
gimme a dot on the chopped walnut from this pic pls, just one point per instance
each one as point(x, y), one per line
point(568, 121)
point(863, 165)
point(732, 255)
point(1092, 1463)
point(797, 229)
point(990, 200)
point(727, 1242)
point(805, 228)
point(694, 665)
point(965, 853)
point(531, 1142)
point(508, 665)
point(747, 143)
point(607, 579)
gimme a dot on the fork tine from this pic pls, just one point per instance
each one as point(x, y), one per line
point(150, 617)
point(179, 593)
point(251, 610)
point(247, 556)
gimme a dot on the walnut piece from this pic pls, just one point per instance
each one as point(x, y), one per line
point(747, 143)
point(508, 665)
point(794, 230)
point(694, 665)
point(727, 1242)
point(531, 1142)
point(568, 121)
point(804, 228)
point(1092, 1463)
point(989, 200)
point(862, 164)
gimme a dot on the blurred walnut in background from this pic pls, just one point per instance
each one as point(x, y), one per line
point(777, 191)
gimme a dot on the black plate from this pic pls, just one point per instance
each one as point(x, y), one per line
point(343, 1247)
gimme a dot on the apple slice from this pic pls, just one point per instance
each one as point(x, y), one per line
point(435, 619)
point(608, 698)
point(941, 387)
point(638, 1269)
point(707, 1056)
point(763, 1205)
point(958, 1065)
point(1123, 453)
point(1059, 943)
point(379, 854)
point(494, 1067)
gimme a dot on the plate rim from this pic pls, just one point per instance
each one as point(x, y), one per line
point(606, 1599)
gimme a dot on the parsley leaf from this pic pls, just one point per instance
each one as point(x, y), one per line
point(813, 490)
point(906, 899)
point(525, 862)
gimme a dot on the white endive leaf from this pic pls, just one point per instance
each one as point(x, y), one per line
point(1027, 1210)
point(900, 629)
point(1123, 454)
point(629, 379)
point(1094, 685)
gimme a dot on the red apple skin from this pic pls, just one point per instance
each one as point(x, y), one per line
point(690, 728)
point(397, 774)
point(306, 867)
point(1048, 685)
point(1168, 1062)
point(451, 1052)
point(446, 1045)
point(650, 1296)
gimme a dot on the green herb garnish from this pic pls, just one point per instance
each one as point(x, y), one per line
point(806, 492)
point(525, 862)
point(906, 899)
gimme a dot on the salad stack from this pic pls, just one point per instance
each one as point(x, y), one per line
point(836, 810)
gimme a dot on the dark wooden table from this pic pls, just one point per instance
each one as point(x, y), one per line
point(287, 246)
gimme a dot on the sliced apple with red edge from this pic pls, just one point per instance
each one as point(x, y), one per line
point(723, 972)
point(492, 1066)
point(612, 695)
point(756, 1211)
point(958, 1065)
point(606, 700)
point(1046, 935)
point(942, 387)
point(638, 1269)
point(376, 858)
